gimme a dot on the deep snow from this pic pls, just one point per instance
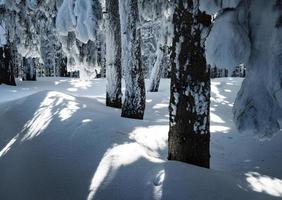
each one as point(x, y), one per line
point(59, 141)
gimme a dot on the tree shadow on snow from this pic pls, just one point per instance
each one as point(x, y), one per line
point(76, 148)
point(57, 144)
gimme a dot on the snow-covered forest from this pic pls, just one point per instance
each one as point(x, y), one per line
point(140, 99)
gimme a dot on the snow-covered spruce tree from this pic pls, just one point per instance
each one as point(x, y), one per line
point(29, 22)
point(250, 33)
point(134, 103)
point(113, 55)
point(189, 135)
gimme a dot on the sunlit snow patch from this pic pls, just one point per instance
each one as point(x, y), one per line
point(265, 184)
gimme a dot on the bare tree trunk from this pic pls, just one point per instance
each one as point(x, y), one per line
point(189, 135)
point(134, 103)
point(156, 73)
point(7, 66)
point(113, 55)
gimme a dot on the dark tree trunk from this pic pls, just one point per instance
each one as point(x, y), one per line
point(29, 69)
point(134, 103)
point(189, 135)
point(113, 55)
point(2, 68)
point(7, 66)
point(63, 67)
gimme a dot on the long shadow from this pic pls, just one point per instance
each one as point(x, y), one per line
point(91, 152)
point(56, 163)
point(251, 155)
point(59, 160)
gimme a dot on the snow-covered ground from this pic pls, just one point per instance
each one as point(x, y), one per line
point(58, 141)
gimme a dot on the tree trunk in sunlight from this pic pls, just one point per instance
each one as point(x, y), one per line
point(189, 135)
point(134, 103)
point(113, 55)
point(156, 73)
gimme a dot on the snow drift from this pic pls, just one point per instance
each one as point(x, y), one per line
point(61, 144)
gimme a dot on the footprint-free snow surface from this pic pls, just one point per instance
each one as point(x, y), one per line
point(58, 141)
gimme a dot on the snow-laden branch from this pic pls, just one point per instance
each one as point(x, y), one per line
point(78, 16)
point(77, 26)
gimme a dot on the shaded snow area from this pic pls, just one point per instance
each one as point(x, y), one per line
point(58, 141)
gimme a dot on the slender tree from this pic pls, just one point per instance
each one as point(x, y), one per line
point(162, 47)
point(113, 55)
point(156, 73)
point(189, 135)
point(134, 103)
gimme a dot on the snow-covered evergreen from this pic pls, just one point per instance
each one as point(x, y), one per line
point(249, 32)
point(77, 24)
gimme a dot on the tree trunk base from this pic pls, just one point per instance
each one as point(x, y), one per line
point(12, 81)
point(154, 90)
point(9, 79)
point(193, 149)
point(29, 78)
point(132, 114)
point(113, 103)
